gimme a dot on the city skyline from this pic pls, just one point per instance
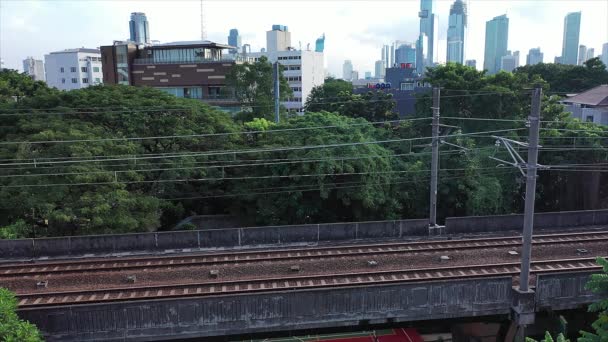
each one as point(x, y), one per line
point(532, 24)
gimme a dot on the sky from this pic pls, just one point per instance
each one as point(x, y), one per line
point(355, 29)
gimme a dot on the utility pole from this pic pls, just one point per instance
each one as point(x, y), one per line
point(531, 167)
point(203, 33)
point(276, 91)
point(435, 159)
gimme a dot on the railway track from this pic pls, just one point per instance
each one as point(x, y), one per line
point(101, 265)
point(282, 283)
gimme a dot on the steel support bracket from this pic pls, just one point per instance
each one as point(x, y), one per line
point(436, 230)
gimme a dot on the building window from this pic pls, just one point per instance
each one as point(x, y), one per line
point(85, 80)
point(83, 69)
point(589, 118)
point(63, 80)
point(74, 80)
point(61, 69)
point(95, 69)
point(407, 86)
point(97, 80)
point(73, 69)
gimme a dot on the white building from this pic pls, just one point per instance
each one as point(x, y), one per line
point(347, 70)
point(379, 69)
point(582, 54)
point(73, 68)
point(303, 70)
point(605, 53)
point(535, 56)
point(34, 68)
point(278, 39)
point(590, 54)
point(590, 105)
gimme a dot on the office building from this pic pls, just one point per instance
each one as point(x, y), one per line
point(497, 38)
point(278, 39)
point(386, 56)
point(405, 53)
point(354, 75)
point(557, 60)
point(471, 63)
point(303, 70)
point(605, 54)
point(320, 44)
point(347, 70)
point(572, 28)
point(535, 56)
point(457, 25)
point(73, 68)
point(379, 69)
point(590, 54)
point(188, 69)
point(234, 39)
point(368, 75)
point(582, 54)
point(138, 26)
point(34, 68)
point(422, 46)
point(428, 27)
point(509, 62)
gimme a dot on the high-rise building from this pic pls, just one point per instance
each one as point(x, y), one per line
point(535, 56)
point(557, 60)
point(234, 39)
point(34, 68)
point(278, 39)
point(368, 75)
point(73, 68)
point(354, 75)
point(379, 69)
point(497, 38)
point(422, 46)
point(428, 27)
point(386, 56)
point(605, 54)
point(391, 61)
point(471, 63)
point(582, 54)
point(590, 54)
point(457, 25)
point(347, 70)
point(572, 28)
point(138, 26)
point(509, 62)
point(320, 44)
point(405, 53)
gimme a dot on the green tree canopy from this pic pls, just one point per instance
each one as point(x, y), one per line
point(564, 78)
point(253, 86)
point(13, 329)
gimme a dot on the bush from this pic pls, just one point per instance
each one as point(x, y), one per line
point(13, 329)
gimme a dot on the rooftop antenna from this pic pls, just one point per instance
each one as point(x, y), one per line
point(203, 33)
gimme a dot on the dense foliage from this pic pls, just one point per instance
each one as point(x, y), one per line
point(564, 78)
point(252, 84)
point(13, 329)
point(123, 159)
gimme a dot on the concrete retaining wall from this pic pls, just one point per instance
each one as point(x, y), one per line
point(287, 310)
point(563, 291)
point(565, 219)
point(208, 239)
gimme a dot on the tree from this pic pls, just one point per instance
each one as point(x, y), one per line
point(325, 97)
point(13, 329)
point(253, 86)
point(564, 78)
point(15, 85)
point(599, 285)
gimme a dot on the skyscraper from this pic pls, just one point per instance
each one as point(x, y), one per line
point(368, 75)
point(234, 39)
point(34, 68)
point(572, 28)
point(535, 56)
point(509, 62)
point(582, 54)
point(320, 44)
point(405, 53)
point(457, 25)
point(347, 70)
point(605, 53)
point(391, 61)
point(379, 69)
point(422, 46)
point(138, 26)
point(386, 56)
point(471, 63)
point(590, 54)
point(278, 39)
point(497, 38)
point(428, 28)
